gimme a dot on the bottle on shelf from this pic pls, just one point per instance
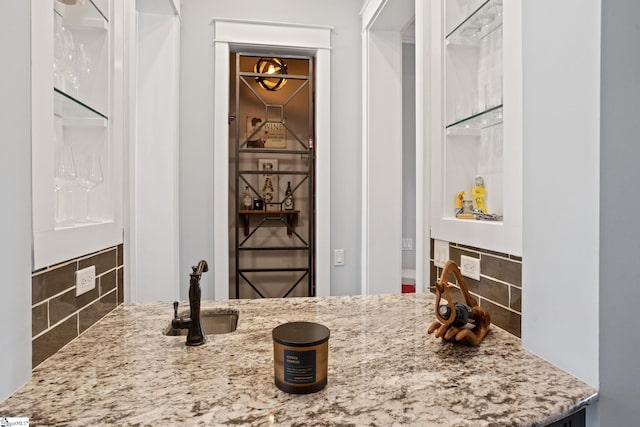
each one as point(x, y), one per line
point(479, 193)
point(288, 197)
point(247, 202)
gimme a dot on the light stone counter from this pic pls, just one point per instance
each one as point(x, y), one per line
point(384, 369)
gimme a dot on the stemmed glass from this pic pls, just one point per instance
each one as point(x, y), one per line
point(70, 55)
point(84, 62)
point(81, 67)
point(62, 50)
point(89, 177)
point(64, 178)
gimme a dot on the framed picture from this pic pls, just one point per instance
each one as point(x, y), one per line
point(268, 183)
point(265, 135)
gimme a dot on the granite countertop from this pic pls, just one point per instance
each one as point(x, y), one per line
point(384, 369)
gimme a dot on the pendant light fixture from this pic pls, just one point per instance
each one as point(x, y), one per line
point(270, 66)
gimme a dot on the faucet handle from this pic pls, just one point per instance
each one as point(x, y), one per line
point(175, 309)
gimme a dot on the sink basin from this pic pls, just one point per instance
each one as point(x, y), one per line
point(216, 321)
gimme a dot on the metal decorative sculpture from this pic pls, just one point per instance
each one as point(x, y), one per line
point(467, 322)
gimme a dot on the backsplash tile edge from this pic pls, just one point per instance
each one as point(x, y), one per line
point(52, 282)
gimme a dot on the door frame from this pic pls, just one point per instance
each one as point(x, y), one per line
point(382, 24)
point(281, 37)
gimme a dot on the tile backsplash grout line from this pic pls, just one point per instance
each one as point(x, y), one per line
point(501, 294)
point(76, 261)
point(71, 315)
point(54, 325)
point(50, 268)
point(480, 297)
point(88, 308)
point(496, 303)
point(515, 261)
point(98, 277)
point(54, 296)
point(482, 252)
point(499, 280)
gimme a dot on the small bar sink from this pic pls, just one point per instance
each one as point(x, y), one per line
point(216, 321)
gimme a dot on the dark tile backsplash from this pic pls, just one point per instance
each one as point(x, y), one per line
point(120, 282)
point(53, 340)
point(506, 269)
point(96, 311)
point(49, 282)
point(58, 316)
point(499, 289)
point(39, 318)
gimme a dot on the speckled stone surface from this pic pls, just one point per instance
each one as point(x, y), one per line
point(384, 369)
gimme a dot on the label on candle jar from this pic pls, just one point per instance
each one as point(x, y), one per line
point(300, 367)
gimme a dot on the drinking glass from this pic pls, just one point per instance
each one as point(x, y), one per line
point(69, 54)
point(62, 56)
point(81, 67)
point(64, 178)
point(89, 177)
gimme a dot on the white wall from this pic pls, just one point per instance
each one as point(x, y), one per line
point(619, 234)
point(15, 216)
point(196, 130)
point(561, 54)
point(154, 248)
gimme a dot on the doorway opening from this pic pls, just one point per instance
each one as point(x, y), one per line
point(383, 122)
point(272, 184)
point(408, 159)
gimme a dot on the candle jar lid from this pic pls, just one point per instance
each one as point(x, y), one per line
point(300, 334)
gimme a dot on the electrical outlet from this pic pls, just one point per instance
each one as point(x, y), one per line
point(470, 267)
point(85, 280)
point(407, 244)
point(440, 253)
point(338, 257)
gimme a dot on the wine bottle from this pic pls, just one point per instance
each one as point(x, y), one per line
point(288, 197)
point(247, 202)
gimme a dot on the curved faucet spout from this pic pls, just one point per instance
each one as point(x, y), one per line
point(202, 267)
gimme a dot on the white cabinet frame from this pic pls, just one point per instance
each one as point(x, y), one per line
point(504, 236)
point(52, 245)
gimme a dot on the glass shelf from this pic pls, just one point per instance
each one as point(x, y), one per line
point(482, 120)
point(66, 106)
point(481, 22)
point(82, 16)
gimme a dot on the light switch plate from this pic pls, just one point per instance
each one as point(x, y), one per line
point(338, 257)
point(440, 252)
point(470, 267)
point(85, 280)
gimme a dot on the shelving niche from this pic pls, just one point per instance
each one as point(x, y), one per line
point(77, 184)
point(480, 133)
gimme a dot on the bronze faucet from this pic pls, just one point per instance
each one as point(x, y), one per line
point(195, 334)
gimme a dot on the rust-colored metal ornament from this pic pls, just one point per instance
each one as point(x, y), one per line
point(466, 323)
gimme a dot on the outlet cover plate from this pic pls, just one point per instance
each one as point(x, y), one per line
point(440, 252)
point(407, 244)
point(470, 267)
point(85, 280)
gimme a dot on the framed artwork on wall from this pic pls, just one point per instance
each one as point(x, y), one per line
point(261, 134)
